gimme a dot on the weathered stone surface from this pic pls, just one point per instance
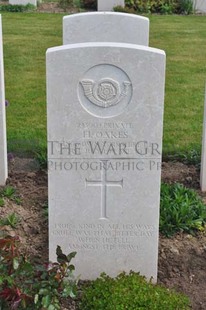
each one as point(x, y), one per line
point(23, 2)
point(199, 6)
point(105, 118)
point(203, 157)
point(105, 27)
point(3, 144)
point(108, 5)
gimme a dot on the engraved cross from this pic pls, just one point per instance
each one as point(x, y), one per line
point(104, 183)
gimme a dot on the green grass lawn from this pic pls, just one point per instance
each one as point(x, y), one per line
point(27, 37)
point(183, 39)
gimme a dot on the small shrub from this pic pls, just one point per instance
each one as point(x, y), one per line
point(11, 220)
point(17, 8)
point(191, 157)
point(65, 4)
point(185, 7)
point(77, 3)
point(160, 6)
point(41, 157)
point(89, 4)
point(2, 203)
point(130, 292)
point(181, 209)
point(45, 210)
point(10, 193)
point(119, 8)
point(166, 9)
point(24, 285)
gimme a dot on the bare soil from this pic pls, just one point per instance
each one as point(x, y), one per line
point(182, 259)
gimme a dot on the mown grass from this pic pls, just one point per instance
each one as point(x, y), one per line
point(26, 39)
point(183, 39)
point(28, 35)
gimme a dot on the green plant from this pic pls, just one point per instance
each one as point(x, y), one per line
point(45, 210)
point(24, 285)
point(2, 203)
point(119, 8)
point(10, 193)
point(181, 209)
point(77, 3)
point(65, 4)
point(161, 6)
point(17, 7)
point(41, 157)
point(89, 4)
point(17, 200)
point(130, 292)
point(11, 220)
point(190, 157)
point(166, 8)
point(185, 7)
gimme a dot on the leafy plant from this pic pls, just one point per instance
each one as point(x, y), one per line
point(2, 203)
point(166, 8)
point(45, 210)
point(65, 4)
point(181, 209)
point(10, 193)
point(186, 7)
point(11, 220)
point(41, 157)
point(77, 3)
point(27, 286)
point(17, 7)
point(159, 6)
point(119, 8)
point(191, 157)
point(17, 200)
point(130, 292)
point(89, 4)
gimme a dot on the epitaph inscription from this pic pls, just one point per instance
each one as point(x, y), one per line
point(105, 236)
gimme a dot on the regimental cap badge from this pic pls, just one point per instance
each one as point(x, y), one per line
point(105, 93)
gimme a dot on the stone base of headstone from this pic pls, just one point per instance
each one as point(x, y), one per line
point(108, 5)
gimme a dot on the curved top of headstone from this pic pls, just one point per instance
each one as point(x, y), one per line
point(106, 27)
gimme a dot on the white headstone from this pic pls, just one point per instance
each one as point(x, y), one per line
point(105, 118)
point(3, 144)
point(203, 157)
point(23, 2)
point(105, 27)
point(199, 6)
point(108, 5)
